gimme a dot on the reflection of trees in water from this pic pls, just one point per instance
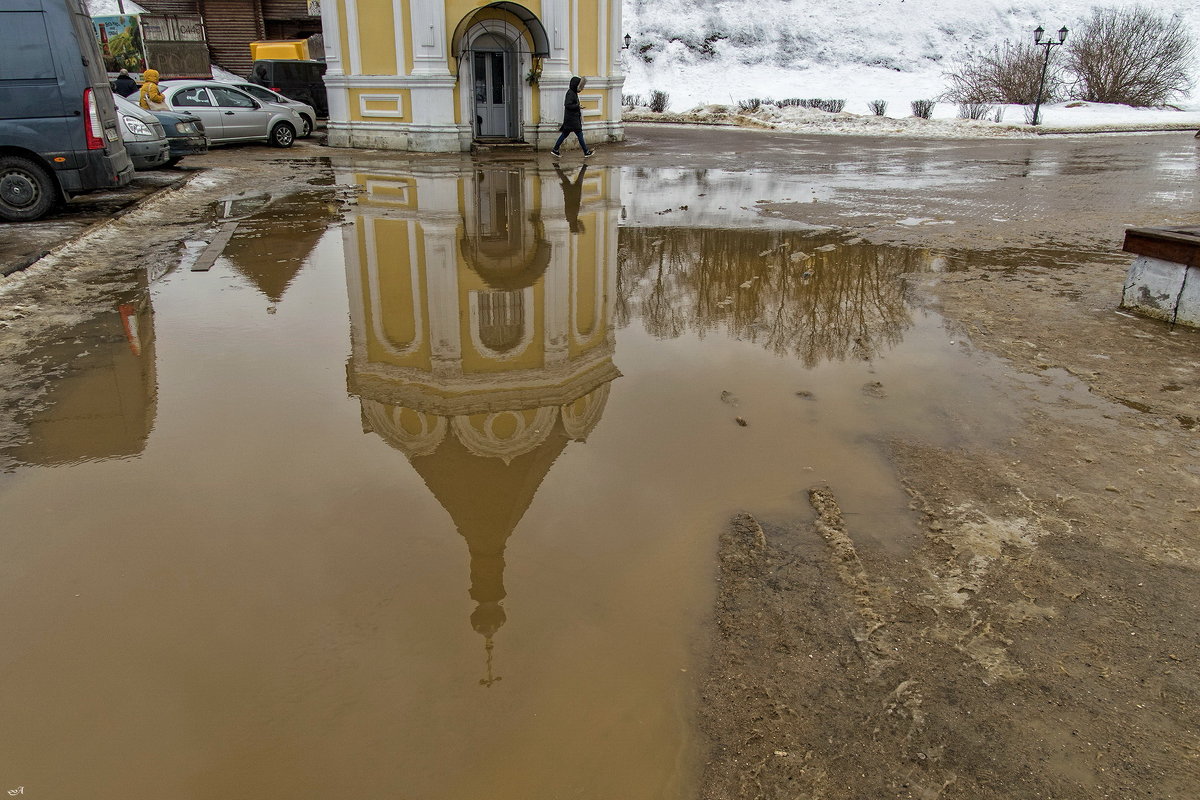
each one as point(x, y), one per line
point(773, 288)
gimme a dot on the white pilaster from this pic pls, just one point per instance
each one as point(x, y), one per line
point(429, 37)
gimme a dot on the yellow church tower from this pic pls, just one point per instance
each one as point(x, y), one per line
point(440, 75)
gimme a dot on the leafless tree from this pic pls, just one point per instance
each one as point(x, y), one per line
point(1132, 55)
point(1008, 73)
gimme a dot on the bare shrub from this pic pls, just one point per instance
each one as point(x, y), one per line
point(822, 104)
point(999, 115)
point(1008, 73)
point(974, 110)
point(1132, 55)
point(632, 100)
point(923, 108)
point(659, 100)
point(789, 101)
point(749, 106)
point(877, 107)
point(1030, 119)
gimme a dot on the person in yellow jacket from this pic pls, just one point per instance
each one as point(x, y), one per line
point(150, 98)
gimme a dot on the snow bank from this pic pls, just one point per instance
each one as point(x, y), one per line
point(723, 51)
point(110, 8)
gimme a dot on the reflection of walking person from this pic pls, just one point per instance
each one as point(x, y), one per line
point(571, 197)
point(572, 118)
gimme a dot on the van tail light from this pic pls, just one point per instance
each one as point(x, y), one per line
point(274, 89)
point(91, 122)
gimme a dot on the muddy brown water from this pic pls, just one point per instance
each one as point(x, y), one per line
point(419, 497)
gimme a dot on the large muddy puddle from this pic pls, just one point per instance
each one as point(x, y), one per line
point(419, 496)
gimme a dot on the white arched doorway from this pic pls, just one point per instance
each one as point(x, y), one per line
point(495, 86)
point(499, 49)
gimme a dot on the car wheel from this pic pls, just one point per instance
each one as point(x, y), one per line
point(282, 135)
point(173, 160)
point(307, 129)
point(26, 190)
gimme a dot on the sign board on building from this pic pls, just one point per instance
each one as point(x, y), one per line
point(120, 40)
point(172, 28)
point(173, 44)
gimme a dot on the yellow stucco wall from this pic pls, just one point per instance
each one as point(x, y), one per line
point(590, 28)
point(377, 37)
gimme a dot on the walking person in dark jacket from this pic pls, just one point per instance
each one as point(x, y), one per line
point(124, 85)
point(572, 119)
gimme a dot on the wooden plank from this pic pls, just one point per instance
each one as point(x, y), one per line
point(1179, 245)
point(215, 248)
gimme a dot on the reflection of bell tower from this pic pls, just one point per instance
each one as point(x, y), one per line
point(482, 340)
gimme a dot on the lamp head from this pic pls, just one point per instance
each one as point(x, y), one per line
point(629, 39)
point(1062, 34)
point(1038, 32)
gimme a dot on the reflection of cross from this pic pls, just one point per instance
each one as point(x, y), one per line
point(489, 680)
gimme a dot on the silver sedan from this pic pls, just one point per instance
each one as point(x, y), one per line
point(306, 112)
point(231, 115)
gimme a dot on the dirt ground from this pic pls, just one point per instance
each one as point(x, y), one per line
point(1041, 638)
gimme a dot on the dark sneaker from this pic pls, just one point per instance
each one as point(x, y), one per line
point(589, 153)
point(555, 153)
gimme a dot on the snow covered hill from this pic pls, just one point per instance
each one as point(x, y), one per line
point(718, 51)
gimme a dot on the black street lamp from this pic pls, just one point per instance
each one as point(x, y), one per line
point(628, 39)
point(1038, 33)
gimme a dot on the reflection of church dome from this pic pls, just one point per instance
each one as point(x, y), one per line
point(485, 473)
point(486, 498)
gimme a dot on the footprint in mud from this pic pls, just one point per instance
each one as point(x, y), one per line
point(807, 395)
point(874, 389)
point(730, 398)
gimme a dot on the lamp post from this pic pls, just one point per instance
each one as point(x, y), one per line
point(1038, 33)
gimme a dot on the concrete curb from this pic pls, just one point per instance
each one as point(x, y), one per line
point(29, 261)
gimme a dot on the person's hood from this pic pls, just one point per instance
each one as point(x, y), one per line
point(150, 75)
point(578, 83)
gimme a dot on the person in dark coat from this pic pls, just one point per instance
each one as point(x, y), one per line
point(572, 119)
point(124, 85)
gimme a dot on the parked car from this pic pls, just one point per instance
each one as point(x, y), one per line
point(185, 135)
point(262, 93)
point(59, 134)
point(299, 80)
point(231, 115)
point(143, 135)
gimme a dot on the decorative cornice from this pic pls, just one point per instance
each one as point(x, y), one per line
point(478, 394)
